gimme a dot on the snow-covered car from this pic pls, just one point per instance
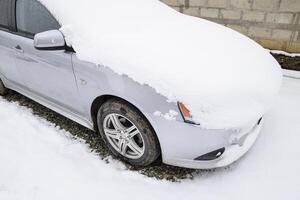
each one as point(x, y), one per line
point(156, 84)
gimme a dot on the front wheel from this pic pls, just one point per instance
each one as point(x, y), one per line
point(127, 133)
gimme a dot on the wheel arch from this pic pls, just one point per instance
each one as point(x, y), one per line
point(100, 100)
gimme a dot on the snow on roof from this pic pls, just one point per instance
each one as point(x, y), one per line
point(223, 77)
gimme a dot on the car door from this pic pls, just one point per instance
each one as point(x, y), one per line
point(48, 74)
point(8, 70)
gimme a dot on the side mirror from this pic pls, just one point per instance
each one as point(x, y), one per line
point(49, 40)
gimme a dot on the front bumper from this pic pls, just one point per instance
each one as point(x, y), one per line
point(185, 143)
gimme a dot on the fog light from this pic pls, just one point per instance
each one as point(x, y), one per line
point(212, 155)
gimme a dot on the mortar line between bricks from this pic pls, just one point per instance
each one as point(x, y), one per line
point(278, 5)
point(251, 5)
point(187, 4)
point(297, 21)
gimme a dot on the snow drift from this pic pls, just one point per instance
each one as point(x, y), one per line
point(224, 78)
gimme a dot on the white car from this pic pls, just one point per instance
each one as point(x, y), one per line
point(193, 95)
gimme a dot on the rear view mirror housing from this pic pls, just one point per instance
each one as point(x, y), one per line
point(50, 40)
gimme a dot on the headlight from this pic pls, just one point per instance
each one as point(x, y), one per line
point(186, 114)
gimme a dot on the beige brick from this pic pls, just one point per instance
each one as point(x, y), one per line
point(295, 36)
point(176, 8)
point(290, 5)
point(270, 5)
point(238, 28)
point(198, 2)
point(255, 16)
point(244, 4)
point(230, 14)
point(282, 34)
point(271, 44)
point(280, 18)
point(209, 12)
point(260, 32)
point(174, 2)
point(217, 3)
point(194, 11)
point(293, 47)
point(297, 19)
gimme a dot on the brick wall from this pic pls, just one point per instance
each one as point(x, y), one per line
point(273, 23)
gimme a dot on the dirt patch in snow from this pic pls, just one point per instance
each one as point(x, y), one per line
point(287, 62)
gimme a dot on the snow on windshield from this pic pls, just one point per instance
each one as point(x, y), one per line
point(224, 78)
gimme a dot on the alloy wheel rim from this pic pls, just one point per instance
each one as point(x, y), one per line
point(124, 136)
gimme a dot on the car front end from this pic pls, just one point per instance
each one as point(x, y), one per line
point(187, 144)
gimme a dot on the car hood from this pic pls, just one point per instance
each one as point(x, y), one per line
point(223, 77)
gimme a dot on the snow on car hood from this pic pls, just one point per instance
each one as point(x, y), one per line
point(224, 78)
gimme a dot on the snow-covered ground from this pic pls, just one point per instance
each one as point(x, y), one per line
point(39, 161)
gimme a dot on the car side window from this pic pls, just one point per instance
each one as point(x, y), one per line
point(4, 13)
point(32, 18)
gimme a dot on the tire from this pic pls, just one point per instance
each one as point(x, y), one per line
point(143, 147)
point(3, 89)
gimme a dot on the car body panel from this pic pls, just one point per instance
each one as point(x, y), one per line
point(8, 67)
point(48, 73)
point(96, 80)
point(233, 152)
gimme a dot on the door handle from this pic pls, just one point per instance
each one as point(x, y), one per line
point(18, 49)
